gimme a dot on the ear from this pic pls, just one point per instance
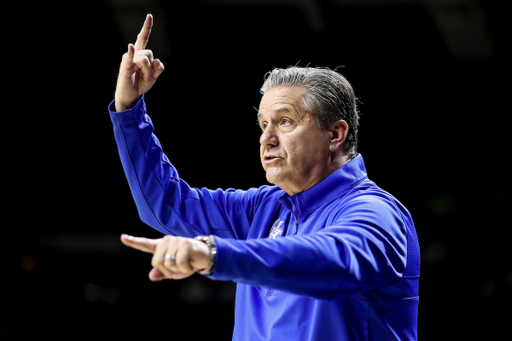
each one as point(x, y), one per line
point(339, 131)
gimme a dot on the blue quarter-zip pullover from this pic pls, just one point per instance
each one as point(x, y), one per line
point(339, 261)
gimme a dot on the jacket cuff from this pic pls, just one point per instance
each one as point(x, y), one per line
point(225, 251)
point(139, 108)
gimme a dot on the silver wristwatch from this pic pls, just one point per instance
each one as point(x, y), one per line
point(210, 242)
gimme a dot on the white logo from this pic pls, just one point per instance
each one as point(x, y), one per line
point(276, 229)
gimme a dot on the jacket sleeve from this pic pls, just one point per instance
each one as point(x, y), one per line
point(364, 247)
point(166, 202)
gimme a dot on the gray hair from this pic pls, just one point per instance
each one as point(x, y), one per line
point(329, 96)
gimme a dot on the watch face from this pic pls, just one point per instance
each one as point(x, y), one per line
point(208, 240)
point(202, 238)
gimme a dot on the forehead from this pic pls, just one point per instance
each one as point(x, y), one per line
point(282, 99)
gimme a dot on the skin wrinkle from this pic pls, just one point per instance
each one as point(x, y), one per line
point(329, 97)
point(291, 134)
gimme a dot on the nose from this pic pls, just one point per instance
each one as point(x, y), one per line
point(269, 137)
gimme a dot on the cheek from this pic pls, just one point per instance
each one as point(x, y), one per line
point(306, 155)
point(290, 148)
point(297, 153)
point(262, 150)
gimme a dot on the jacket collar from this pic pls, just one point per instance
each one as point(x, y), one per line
point(328, 189)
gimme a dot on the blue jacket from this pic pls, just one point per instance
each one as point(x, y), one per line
point(339, 261)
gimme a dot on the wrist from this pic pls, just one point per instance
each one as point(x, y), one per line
point(120, 106)
point(212, 248)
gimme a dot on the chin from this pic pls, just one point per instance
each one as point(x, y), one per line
point(270, 180)
point(274, 179)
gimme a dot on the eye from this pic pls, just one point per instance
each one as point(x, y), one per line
point(285, 121)
point(263, 126)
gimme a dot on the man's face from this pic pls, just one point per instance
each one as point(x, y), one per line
point(294, 152)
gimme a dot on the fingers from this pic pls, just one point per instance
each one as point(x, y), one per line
point(138, 58)
point(127, 62)
point(143, 36)
point(144, 61)
point(130, 54)
point(177, 264)
point(182, 255)
point(182, 262)
point(158, 261)
point(138, 70)
point(139, 243)
point(158, 68)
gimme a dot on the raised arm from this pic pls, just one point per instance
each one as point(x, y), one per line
point(164, 201)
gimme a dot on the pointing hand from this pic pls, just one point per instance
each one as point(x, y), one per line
point(138, 71)
point(173, 257)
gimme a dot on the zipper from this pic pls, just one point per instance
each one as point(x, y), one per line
point(296, 224)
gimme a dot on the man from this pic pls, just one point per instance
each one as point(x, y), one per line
point(324, 254)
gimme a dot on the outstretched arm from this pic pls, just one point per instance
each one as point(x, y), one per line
point(138, 71)
point(363, 249)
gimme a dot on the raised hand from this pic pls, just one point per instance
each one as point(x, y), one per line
point(138, 71)
point(173, 257)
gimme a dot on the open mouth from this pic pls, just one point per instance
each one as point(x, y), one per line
point(271, 157)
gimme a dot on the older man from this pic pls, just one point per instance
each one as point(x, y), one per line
point(324, 254)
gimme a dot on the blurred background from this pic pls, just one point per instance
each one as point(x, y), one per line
point(432, 77)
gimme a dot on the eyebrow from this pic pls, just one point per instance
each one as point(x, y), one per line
point(281, 110)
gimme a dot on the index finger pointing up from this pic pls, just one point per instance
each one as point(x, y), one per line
point(143, 37)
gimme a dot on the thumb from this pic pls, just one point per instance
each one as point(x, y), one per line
point(155, 275)
point(140, 243)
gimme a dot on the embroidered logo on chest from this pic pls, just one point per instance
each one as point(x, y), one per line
point(276, 229)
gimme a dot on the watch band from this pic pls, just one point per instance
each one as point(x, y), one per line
point(210, 242)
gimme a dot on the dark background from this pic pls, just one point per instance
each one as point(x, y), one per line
point(433, 82)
